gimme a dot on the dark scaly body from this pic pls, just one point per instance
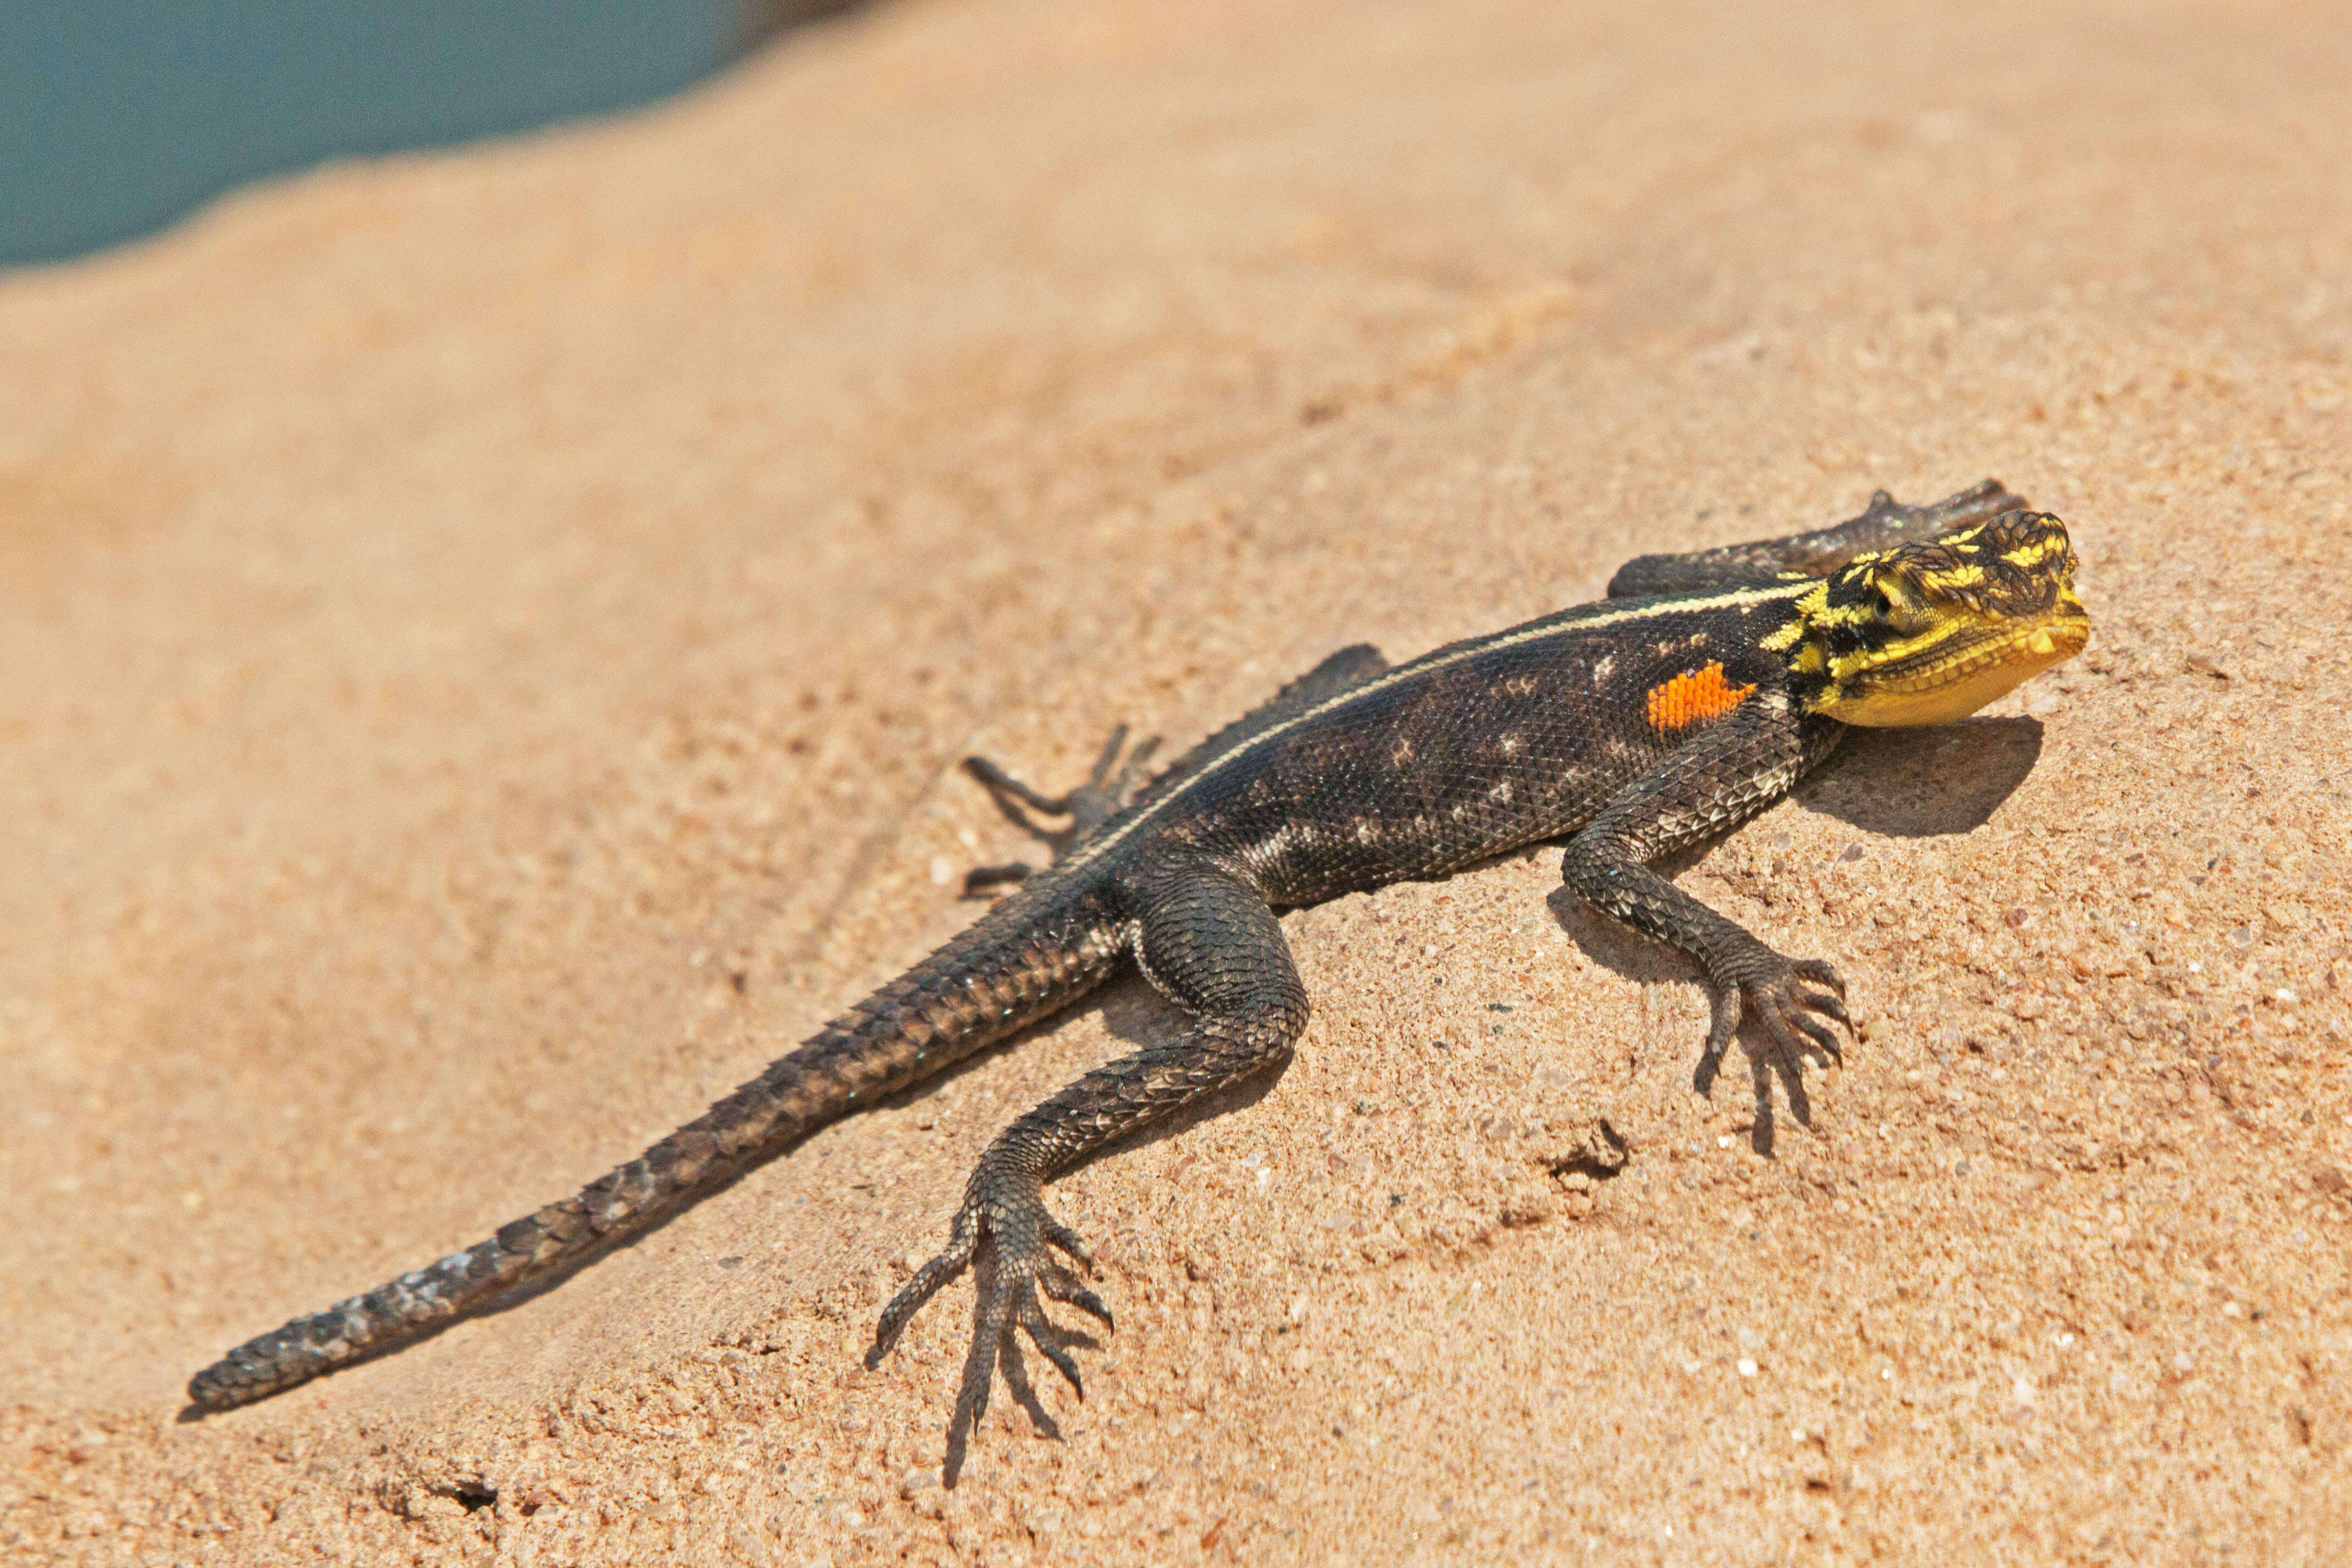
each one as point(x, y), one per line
point(1631, 727)
point(1472, 750)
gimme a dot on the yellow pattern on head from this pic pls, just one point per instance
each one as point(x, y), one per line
point(1931, 632)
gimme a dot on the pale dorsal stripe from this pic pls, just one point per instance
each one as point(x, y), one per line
point(1551, 627)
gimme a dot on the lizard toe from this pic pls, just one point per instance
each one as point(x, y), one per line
point(1047, 1336)
point(1821, 971)
point(1006, 1236)
point(1725, 1010)
point(1067, 1240)
point(963, 1242)
point(1788, 1012)
point(1064, 1286)
point(984, 881)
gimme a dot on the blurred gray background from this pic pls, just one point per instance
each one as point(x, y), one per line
point(120, 116)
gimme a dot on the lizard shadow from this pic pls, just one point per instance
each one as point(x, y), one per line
point(1924, 782)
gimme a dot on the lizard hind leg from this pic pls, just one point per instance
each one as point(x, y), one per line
point(1087, 806)
point(1207, 939)
point(1102, 795)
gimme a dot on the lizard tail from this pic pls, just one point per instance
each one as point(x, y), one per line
point(1030, 956)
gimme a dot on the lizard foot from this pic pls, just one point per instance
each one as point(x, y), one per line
point(1785, 998)
point(1087, 806)
point(1010, 1239)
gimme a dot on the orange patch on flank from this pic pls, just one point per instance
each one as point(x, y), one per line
point(1688, 699)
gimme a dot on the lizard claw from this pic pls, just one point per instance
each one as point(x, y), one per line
point(1821, 973)
point(1785, 1001)
point(1067, 1240)
point(1010, 1238)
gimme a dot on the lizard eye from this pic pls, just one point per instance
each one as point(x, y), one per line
point(1880, 604)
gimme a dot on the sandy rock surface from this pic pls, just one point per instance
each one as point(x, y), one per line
point(485, 640)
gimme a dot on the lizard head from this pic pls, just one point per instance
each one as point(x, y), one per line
point(1930, 632)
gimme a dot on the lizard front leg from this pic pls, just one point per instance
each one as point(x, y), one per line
point(1716, 780)
point(1206, 939)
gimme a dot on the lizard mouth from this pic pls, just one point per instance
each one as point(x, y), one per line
point(1960, 671)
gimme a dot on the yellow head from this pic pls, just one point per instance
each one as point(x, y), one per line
point(1927, 633)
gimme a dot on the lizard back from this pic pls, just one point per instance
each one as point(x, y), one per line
point(1471, 750)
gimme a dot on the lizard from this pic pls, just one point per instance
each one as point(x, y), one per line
point(1691, 696)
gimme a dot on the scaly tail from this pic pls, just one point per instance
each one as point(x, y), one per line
point(1030, 956)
